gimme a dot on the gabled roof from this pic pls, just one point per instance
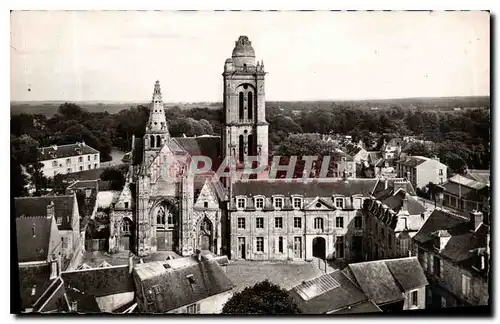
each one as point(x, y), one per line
point(63, 151)
point(459, 247)
point(343, 293)
point(33, 247)
point(407, 272)
point(175, 283)
point(466, 188)
point(30, 277)
point(37, 206)
point(321, 188)
point(396, 201)
point(376, 281)
point(479, 175)
point(412, 161)
point(441, 219)
point(99, 282)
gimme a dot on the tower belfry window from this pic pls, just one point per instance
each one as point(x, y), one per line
point(241, 107)
point(241, 149)
point(158, 140)
point(250, 105)
point(152, 144)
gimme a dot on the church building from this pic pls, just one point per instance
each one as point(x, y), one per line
point(165, 206)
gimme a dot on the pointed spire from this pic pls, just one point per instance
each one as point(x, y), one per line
point(157, 92)
point(157, 122)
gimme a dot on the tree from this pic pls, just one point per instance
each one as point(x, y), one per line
point(116, 176)
point(262, 298)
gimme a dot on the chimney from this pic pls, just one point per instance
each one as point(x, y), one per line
point(476, 218)
point(130, 262)
point(54, 271)
point(74, 306)
point(408, 176)
point(436, 158)
point(405, 202)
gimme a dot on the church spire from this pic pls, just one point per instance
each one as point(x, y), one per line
point(157, 122)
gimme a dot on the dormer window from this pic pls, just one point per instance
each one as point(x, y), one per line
point(339, 203)
point(278, 202)
point(259, 203)
point(297, 202)
point(241, 203)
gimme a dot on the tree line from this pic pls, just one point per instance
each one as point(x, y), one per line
point(461, 137)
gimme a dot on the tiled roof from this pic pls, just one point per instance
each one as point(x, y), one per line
point(37, 206)
point(33, 277)
point(396, 201)
point(63, 151)
point(408, 272)
point(83, 184)
point(365, 307)
point(343, 295)
point(376, 281)
point(459, 247)
point(93, 174)
point(469, 189)
point(479, 175)
point(440, 219)
point(385, 187)
point(173, 287)
point(309, 189)
point(33, 247)
point(413, 161)
point(99, 282)
point(208, 146)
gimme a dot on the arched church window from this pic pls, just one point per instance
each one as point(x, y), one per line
point(152, 141)
point(158, 140)
point(170, 219)
point(125, 227)
point(242, 109)
point(160, 216)
point(250, 105)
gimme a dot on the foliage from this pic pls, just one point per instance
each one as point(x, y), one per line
point(262, 298)
point(116, 175)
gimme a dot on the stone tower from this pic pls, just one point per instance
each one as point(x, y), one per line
point(156, 134)
point(245, 130)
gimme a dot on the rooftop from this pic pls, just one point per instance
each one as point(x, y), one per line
point(37, 206)
point(63, 151)
point(179, 282)
point(312, 188)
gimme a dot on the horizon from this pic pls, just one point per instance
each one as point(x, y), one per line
point(220, 102)
point(310, 56)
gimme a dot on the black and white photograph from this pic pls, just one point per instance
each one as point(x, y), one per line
point(192, 163)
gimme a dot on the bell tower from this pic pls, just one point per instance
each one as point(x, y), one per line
point(156, 134)
point(245, 129)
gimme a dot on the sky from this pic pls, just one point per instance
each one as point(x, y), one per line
point(118, 55)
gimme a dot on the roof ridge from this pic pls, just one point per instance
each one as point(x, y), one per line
point(450, 213)
point(102, 268)
point(38, 197)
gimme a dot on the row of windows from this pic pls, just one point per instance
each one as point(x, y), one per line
point(297, 245)
point(297, 222)
point(297, 202)
point(80, 159)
